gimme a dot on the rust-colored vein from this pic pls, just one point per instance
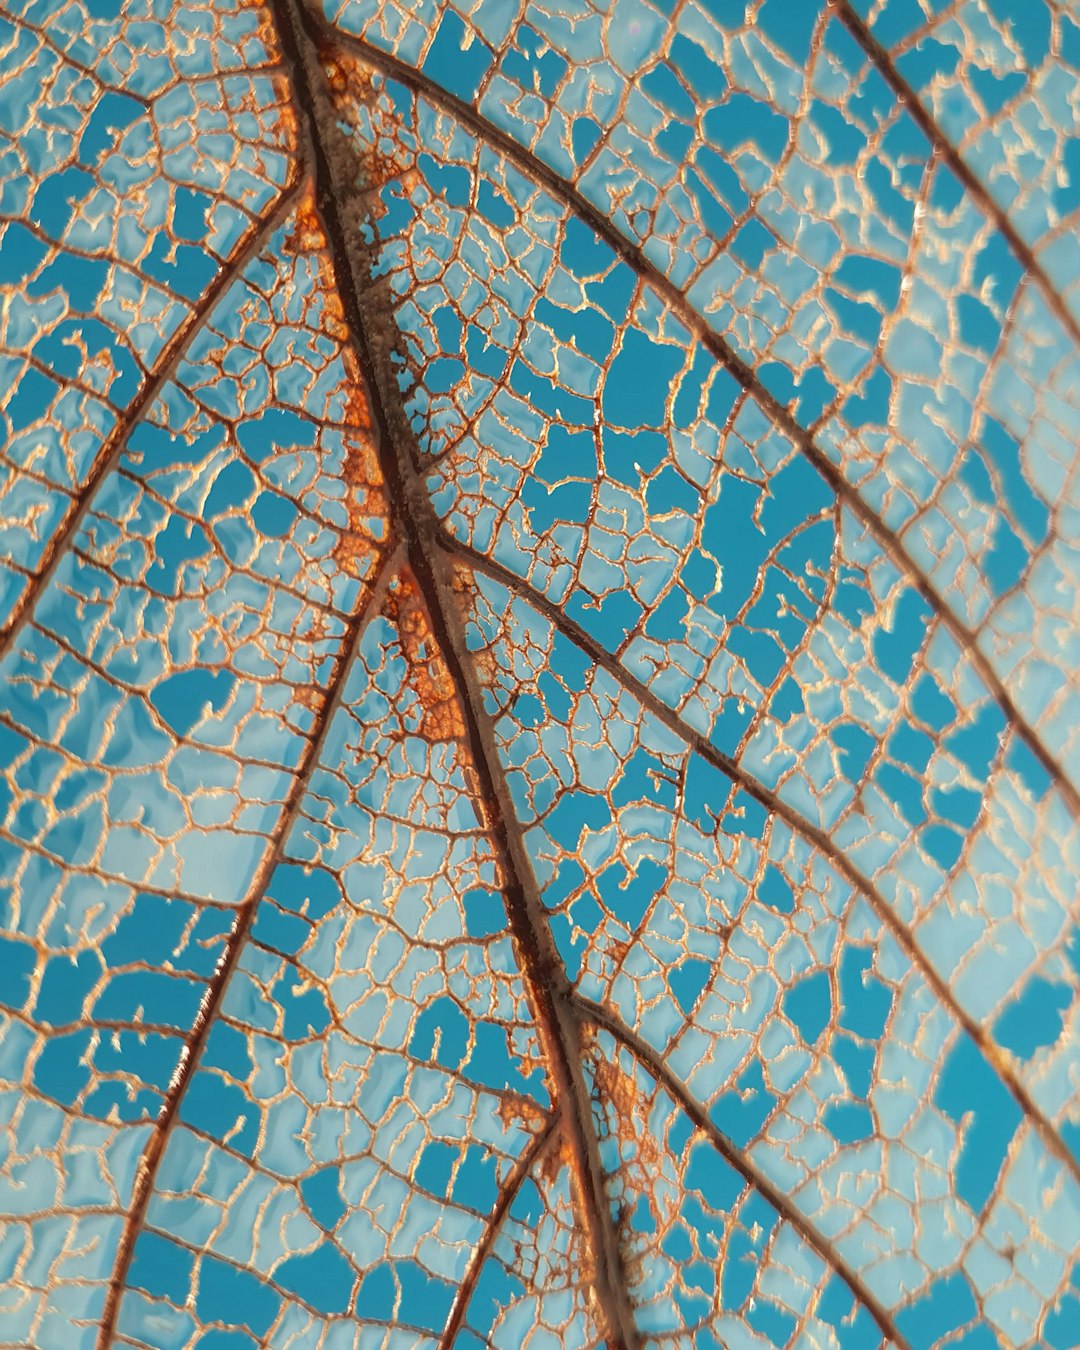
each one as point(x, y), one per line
point(534, 168)
point(154, 1152)
point(542, 969)
point(367, 311)
point(958, 166)
point(428, 675)
point(656, 1067)
point(111, 450)
point(526, 1161)
point(543, 974)
point(775, 804)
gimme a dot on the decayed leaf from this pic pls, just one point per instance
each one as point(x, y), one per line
point(538, 753)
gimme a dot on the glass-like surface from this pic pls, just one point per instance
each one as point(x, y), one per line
point(539, 716)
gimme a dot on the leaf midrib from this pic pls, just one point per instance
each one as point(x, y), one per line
point(803, 438)
point(429, 557)
point(542, 973)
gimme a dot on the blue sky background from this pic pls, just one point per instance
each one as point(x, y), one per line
point(372, 1077)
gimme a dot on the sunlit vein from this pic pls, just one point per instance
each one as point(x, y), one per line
point(526, 1161)
point(112, 449)
point(803, 439)
point(366, 312)
point(154, 1151)
point(655, 1066)
point(958, 166)
point(776, 804)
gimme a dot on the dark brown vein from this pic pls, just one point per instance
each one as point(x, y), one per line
point(534, 168)
point(154, 1152)
point(542, 970)
point(776, 805)
point(655, 1066)
point(525, 1163)
point(958, 166)
point(367, 310)
point(111, 450)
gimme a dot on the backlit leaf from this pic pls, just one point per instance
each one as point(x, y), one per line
point(539, 741)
